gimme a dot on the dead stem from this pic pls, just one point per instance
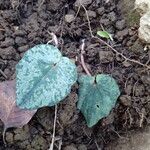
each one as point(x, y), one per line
point(54, 129)
point(82, 58)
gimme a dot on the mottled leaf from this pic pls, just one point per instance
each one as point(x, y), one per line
point(105, 34)
point(10, 114)
point(44, 77)
point(97, 96)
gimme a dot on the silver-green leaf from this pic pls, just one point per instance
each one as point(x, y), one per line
point(43, 77)
point(97, 96)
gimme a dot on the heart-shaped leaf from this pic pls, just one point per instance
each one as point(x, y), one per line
point(10, 114)
point(44, 77)
point(97, 96)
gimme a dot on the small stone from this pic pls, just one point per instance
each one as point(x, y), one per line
point(91, 14)
point(20, 41)
point(69, 18)
point(23, 48)
point(120, 24)
point(70, 147)
point(144, 30)
point(106, 56)
point(125, 100)
point(142, 6)
point(8, 42)
point(101, 10)
point(84, 2)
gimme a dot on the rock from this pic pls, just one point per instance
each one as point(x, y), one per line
point(70, 147)
point(7, 53)
point(69, 18)
point(105, 56)
point(142, 6)
point(144, 30)
point(84, 2)
point(101, 10)
point(120, 24)
point(91, 14)
point(8, 42)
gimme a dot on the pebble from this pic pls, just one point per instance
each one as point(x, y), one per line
point(69, 18)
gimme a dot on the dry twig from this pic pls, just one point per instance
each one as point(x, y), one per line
point(82, 58)
point(54, 129)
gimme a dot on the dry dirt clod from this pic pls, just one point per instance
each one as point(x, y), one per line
point(125, 100)
point(105, 56)
point(70, 147)
point(120, 24)
point(83, 2)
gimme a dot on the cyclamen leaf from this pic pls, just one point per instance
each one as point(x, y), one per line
point(10, 114)
point(44, 77)
point(97, 96)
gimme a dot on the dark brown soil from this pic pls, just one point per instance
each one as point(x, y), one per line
point(25, 23)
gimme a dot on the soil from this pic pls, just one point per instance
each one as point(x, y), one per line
point(25, 23)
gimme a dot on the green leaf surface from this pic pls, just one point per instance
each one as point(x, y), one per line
point(97, 96)
point(44, 77)
point(104, 34)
